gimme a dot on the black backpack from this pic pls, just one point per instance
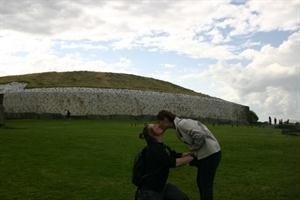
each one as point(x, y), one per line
point(138, 172)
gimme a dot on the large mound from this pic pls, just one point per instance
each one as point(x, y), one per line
point(96, 80)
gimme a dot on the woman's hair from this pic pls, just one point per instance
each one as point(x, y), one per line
point(145, 135)
point(166, 114)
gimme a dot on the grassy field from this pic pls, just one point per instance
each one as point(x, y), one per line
point(92, 159)
point(96, 80)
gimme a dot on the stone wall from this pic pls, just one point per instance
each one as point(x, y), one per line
point(1, 110)
point(107, 102)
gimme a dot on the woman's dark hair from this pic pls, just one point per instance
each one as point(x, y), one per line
point(166, 114)
point(145, 135)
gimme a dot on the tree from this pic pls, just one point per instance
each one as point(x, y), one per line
point(252, 117)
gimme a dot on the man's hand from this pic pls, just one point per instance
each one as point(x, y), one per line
point(187, 154)
point(183, 160)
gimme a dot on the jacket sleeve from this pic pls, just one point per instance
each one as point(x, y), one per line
point(198, 140)
point(175, 154)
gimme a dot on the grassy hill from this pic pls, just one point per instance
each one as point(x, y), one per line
point(96, 80)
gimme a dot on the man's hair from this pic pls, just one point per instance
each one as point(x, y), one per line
point(145, 135)
point(166, 114)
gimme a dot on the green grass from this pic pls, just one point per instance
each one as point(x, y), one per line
point(92, 159)
point(96, 80)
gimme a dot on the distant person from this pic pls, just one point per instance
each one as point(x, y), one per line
point(134, 122)
point(68, 114)
point(158, 158)
point(275, 121)
point(203, 145)
point(270, 120)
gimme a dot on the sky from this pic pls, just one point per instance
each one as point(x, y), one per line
point(244, 51)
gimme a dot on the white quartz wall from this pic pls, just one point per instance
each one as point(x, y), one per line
point(103, 102)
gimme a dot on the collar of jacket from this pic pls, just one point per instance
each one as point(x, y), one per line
point(176, 121)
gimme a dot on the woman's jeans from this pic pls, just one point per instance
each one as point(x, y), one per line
point(207, 168)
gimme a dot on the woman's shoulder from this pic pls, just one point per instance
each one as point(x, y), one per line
point(186, 124)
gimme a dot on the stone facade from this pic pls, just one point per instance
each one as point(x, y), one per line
point(1, 110)
point(107, 102)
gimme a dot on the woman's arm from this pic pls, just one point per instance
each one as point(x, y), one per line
point(198, 140)
point(195, 131)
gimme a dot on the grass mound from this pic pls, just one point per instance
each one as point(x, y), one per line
point(96, 80)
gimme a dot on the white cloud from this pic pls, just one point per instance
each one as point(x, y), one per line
point(124, 22)
point(65, 45)
point(129, 23)
point(258, 15)
point(24, 54)
point(272, 15)
point(270, 84)
point(169, 66)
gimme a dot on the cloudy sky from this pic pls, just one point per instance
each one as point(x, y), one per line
point(242, 51)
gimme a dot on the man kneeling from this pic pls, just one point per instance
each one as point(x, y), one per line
point(158, 158)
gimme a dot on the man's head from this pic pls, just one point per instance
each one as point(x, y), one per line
point(165, 119)
point(151, 133)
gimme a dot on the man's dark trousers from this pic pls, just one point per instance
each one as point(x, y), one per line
point(171, 192)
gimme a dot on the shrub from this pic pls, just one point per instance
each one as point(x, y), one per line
point(252, 117)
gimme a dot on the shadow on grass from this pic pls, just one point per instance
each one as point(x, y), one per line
point(12, 128)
